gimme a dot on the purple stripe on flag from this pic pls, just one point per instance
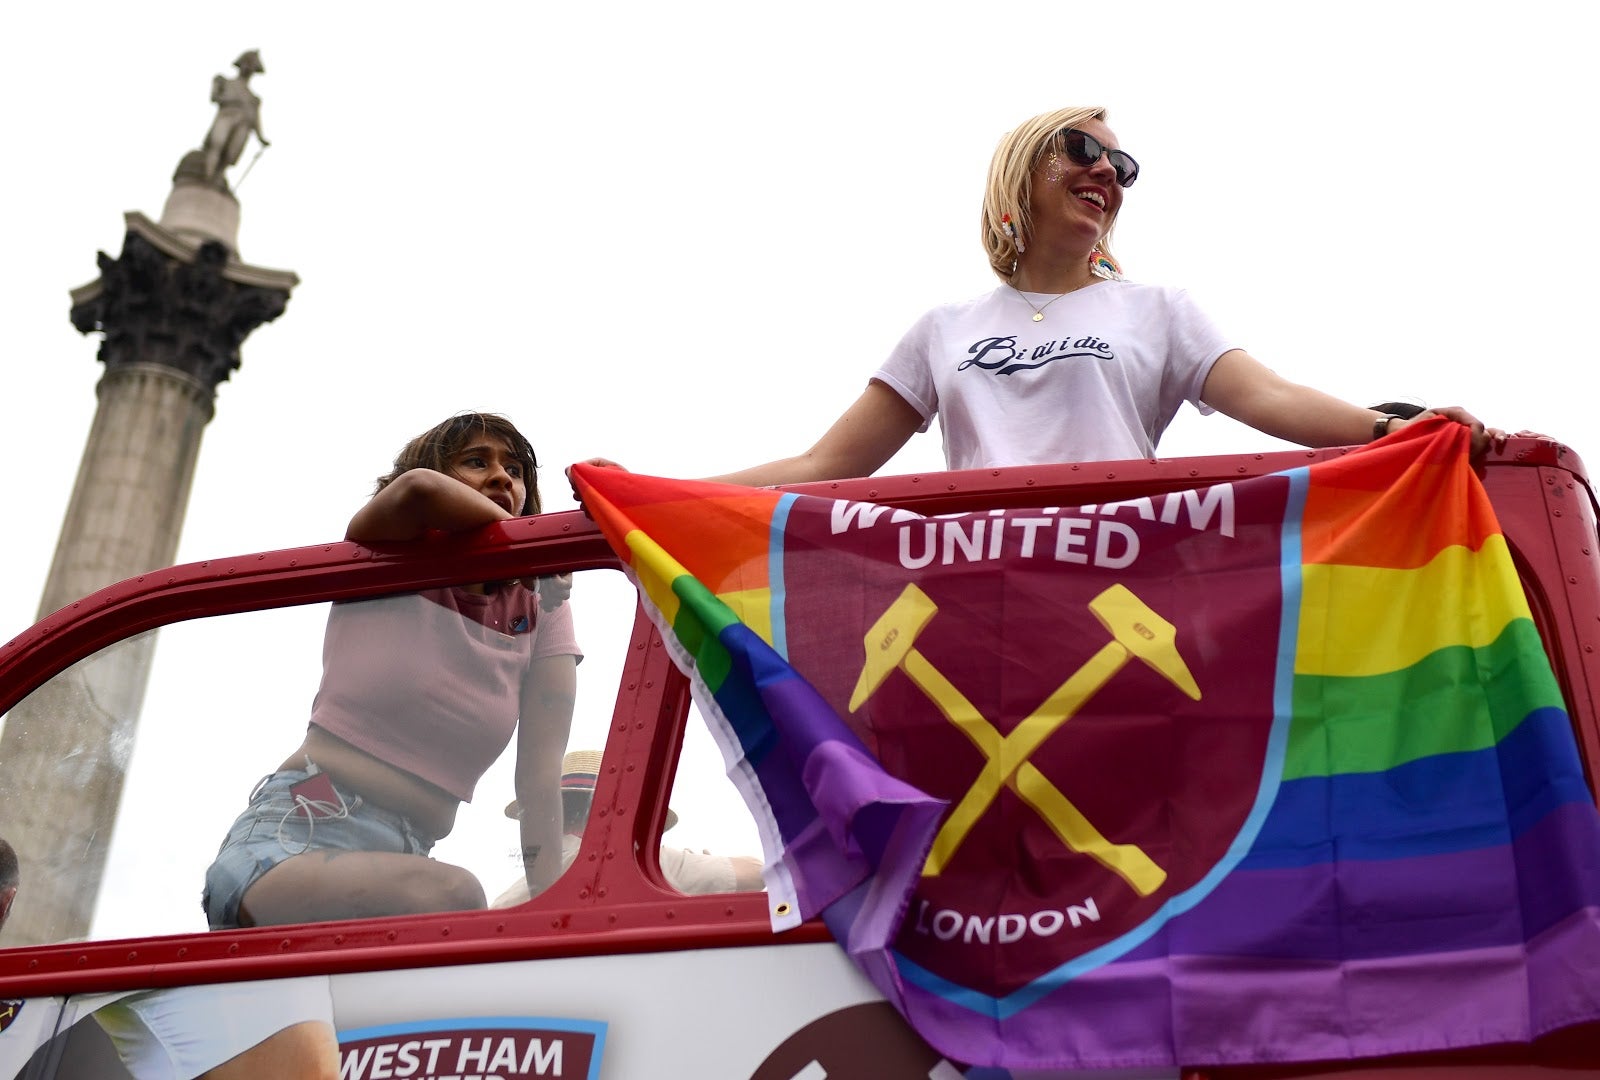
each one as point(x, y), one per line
point(1563, 985)
point(841, 815)
point(780, 771)
point(890, 822)
point(1271, 1010)
point(1558, 867)
point(1114, 1016)
point(821, 873)
point(1398, 907)
point(1226, 1010)
point(849, 788)
point(1262, 969)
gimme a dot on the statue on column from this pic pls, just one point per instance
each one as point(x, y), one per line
point(238, 117)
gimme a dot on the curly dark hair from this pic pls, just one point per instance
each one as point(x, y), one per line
point(434, 449)
point(10, 870)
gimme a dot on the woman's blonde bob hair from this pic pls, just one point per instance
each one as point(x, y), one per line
point(1010, 186)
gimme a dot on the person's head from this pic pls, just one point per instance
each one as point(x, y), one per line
point(442, 449)
point(580, 770)
point(10, 878)
point(1027, 153)
point(249, 63)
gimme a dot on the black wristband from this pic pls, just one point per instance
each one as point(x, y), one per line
point(1380, 426)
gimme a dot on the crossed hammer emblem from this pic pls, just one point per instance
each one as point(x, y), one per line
point(1137, 632)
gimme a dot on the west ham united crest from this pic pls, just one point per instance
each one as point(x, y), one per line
point(1096, 714)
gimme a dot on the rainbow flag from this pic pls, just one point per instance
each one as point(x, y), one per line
point(1270, 771)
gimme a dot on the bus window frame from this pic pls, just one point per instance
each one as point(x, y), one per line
point(614, 900)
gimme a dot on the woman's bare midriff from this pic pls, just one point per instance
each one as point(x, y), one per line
point(430, 809)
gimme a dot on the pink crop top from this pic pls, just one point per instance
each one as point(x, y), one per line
point(431, 682)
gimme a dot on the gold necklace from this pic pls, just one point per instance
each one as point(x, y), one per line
point(1038, 312)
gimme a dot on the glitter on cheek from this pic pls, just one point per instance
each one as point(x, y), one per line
point(1054, 169)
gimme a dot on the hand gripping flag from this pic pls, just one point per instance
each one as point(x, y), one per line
point(1269, 771)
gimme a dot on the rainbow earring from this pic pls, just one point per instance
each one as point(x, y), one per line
point(1102, 265)
point(1011, 231)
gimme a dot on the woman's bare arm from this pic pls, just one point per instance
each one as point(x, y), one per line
point(417, 501)
point(859, 442)
point(1252, 393)
point(542, 729)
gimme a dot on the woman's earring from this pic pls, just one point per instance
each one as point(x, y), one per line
point(1102, 265)
point(1011, 231)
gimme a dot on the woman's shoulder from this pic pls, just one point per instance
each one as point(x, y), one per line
point(1145, 295)
point(958, 310)
point(1142, 289)
point(1136, 299)
point(1135, 291)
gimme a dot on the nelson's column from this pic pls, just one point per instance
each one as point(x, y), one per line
point(173, 309)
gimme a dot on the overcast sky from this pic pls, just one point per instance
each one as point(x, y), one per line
point(683, 235)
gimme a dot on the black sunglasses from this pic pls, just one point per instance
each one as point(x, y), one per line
point(1084, 149)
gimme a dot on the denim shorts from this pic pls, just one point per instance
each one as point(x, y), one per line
point(275, 826)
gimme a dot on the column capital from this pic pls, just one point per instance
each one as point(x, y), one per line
point(173, 301)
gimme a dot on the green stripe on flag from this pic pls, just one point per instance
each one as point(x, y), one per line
point(701, 617)
point(1452, 700)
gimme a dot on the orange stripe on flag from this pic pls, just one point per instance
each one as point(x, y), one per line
point(1356, 515)
point(721, 532)
point(723, 541)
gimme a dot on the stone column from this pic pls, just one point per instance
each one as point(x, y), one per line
point(174, 309)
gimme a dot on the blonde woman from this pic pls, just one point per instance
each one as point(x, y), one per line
point(1065, 360)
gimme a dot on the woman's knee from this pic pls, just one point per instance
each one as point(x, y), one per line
point(351, 885)
point(446, 888)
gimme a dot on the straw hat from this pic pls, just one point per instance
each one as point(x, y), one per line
point(580, 769)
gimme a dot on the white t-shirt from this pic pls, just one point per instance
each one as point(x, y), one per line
point(1098, 379)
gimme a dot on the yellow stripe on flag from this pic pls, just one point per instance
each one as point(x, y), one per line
point(1363, 620)
point(754, 609)
point(656, 571)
